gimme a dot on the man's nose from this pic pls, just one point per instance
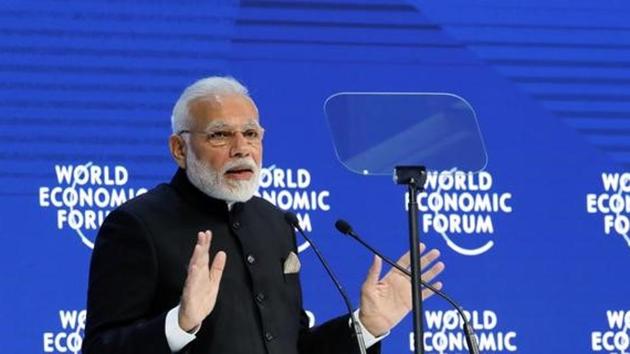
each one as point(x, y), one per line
point(240, 147)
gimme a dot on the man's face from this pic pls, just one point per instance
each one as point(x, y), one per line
point(223, 157)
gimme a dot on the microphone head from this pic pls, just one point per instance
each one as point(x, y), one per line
point(344, 227)
point(292, 219)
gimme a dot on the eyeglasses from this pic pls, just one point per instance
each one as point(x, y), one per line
point(223, 137)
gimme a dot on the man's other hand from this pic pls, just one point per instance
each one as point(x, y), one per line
point(386, 301)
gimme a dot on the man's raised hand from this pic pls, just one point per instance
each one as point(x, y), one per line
point(202, 284)
point(386, 301)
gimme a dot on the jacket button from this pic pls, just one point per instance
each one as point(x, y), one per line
point(260, 297)
point(250, 259)
point(236, 225)
point(268, 336)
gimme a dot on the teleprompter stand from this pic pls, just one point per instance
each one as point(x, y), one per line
point(414, 178)
point(432, 129)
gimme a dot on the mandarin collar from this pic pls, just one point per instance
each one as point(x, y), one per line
point(182, 184)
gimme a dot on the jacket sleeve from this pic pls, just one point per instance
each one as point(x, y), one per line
point(121, 289)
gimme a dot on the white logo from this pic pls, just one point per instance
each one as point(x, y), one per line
point(614, 204)
point(444, 332)
point(289, 189)
point(84, 195)
point(459, 203)
point(70, 337)
point(616, 339)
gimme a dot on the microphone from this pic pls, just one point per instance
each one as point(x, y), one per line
point(292, 220)
point(473, 347)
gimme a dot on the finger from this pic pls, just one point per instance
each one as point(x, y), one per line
point(208, 234)
point(202, 238)
point(200, 252)
point(374, 272)
point(197, 251)
point(426, 292)
point(203, 252)
point(428, 258)
point(208, 242)
point(433, 272)
point(196, 262)
point(405, 260)
point(216, 269)
point(218, 264)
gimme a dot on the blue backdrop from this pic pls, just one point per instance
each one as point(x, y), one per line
point(88, 86)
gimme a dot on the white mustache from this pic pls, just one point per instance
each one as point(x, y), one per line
point(240, 164)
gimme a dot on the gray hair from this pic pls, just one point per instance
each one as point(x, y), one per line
point(211, 87)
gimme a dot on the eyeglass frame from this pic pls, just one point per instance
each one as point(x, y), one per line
point(260, 130)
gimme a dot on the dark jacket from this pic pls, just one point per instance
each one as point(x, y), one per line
point(139, 266)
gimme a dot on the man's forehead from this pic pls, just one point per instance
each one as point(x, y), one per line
point(224, 110)
point(223, 123)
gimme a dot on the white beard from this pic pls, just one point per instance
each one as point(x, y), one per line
point(214, 184)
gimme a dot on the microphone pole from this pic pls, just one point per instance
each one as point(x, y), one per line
point(293, 221)
point(473, 347)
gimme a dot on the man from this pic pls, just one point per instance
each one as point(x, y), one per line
point(200, 265)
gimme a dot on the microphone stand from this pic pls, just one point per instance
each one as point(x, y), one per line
point(414, 178)
point(293, 221)
point(471, 340)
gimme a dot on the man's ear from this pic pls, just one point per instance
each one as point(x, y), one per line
point(177, 145)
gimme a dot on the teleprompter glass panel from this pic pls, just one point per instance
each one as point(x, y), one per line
point(375, 132)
